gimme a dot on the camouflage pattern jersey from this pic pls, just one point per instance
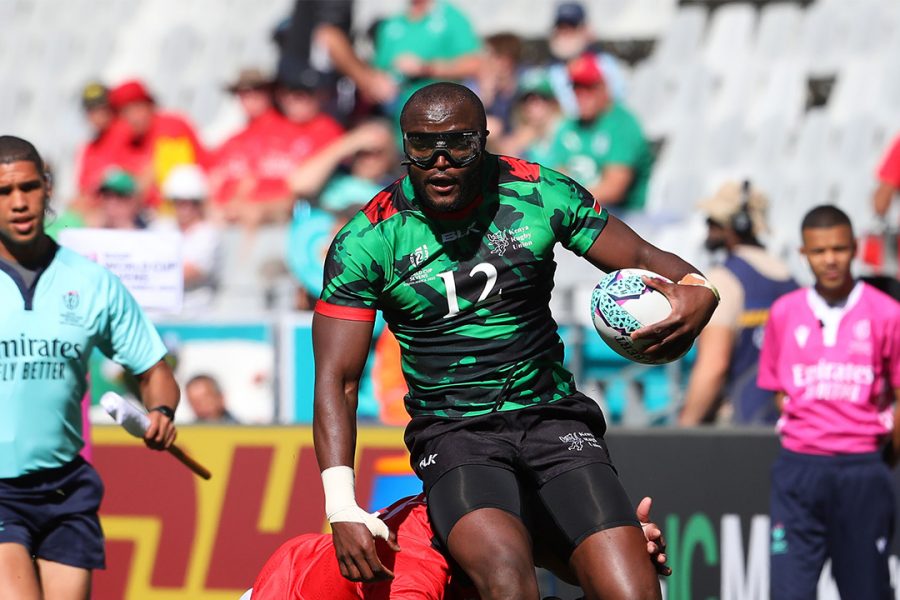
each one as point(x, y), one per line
point(467, 294)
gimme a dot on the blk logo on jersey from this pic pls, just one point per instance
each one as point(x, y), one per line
point(428, 461)
point(577, 440)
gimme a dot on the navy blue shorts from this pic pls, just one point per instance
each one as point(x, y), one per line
point(837, 507)
point(53, 513)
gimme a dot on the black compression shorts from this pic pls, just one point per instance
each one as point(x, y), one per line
point(548, 464)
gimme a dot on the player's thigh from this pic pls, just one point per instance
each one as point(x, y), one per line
point(600, 532)
point(18, 578)
point(476, 512)
point(493, 547)
point(612, 564)
point(64, 582)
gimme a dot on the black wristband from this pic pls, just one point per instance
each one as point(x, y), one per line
point(164, 410)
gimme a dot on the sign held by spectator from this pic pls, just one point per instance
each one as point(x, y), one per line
point(147, 262)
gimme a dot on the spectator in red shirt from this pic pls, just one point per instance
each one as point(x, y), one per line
point(888, 179)
point(249, 166)
point(251, 169)
point(153, 141)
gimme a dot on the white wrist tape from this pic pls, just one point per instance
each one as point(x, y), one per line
point(340, 501)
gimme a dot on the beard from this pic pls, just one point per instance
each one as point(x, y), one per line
point(467, 191)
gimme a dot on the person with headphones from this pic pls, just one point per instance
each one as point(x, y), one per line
point(722, 385)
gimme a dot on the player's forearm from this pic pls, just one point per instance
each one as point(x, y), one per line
point(334, 423)
point(158, 386)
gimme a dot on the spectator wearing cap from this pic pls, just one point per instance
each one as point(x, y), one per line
point(120, 203)
point(604, 147)
point(237, 166)
point(275, 147)
point(570, 38)
point(430, 41)
point(154, 142)
point(536, 117)
point(723, 380)
point(93, 158)
point(187, 188)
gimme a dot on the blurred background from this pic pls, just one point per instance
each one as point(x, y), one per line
point(252, 131)
point(256, 129)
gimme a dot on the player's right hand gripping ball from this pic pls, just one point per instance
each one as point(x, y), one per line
point(621, 304)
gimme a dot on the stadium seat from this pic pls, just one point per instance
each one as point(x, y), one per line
point(779, 32)
point(730, 39)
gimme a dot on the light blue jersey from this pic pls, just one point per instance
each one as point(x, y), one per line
point(47, 334)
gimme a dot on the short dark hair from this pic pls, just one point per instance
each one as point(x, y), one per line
point(825, 216)
point(15, 149)
point(204, 378)
point(444, 92)
point(505, 44)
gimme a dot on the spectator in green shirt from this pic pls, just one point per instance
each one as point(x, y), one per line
point(603, 148)
point(431, 41)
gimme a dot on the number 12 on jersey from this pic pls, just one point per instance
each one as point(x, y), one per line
point(487, 269)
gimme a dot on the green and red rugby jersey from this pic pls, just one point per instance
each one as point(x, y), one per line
point(467, 294)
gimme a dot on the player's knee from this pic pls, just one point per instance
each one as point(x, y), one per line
point(635, 588)
point(506, 576)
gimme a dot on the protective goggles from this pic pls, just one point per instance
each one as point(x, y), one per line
point(460, 147)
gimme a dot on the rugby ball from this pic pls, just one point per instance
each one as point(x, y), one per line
point(621, 304)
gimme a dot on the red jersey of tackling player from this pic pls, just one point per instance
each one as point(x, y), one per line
point(305, 567)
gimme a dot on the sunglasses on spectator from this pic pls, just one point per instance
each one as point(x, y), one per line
point(461, 148)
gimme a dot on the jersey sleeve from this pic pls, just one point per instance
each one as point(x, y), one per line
point(767, 378)
point(355, 270)
point(127, 336)
point(889, 171)
point(575, 217)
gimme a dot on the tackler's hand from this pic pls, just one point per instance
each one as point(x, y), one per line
point(656, 543)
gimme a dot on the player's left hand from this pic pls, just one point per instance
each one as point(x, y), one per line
point(656, 543)
point(161, 434)
point(692, 306)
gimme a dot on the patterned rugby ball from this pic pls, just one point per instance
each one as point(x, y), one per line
point(622, 303)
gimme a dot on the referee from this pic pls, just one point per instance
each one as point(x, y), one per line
point(56, 308)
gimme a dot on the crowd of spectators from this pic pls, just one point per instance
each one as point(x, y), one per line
point(310, 146)
point(320, 138)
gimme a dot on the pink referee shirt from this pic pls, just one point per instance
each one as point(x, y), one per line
point(837, 366)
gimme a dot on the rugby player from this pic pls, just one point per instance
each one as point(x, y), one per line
point(305, 567)
point(458, 255)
